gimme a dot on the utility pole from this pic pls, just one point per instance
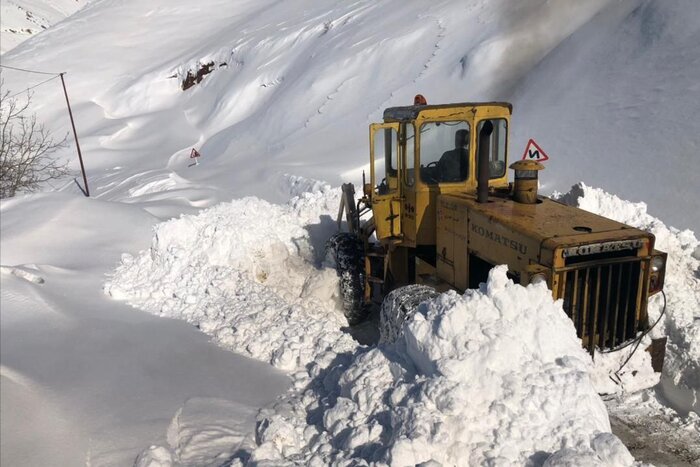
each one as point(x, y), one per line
point(75, 135)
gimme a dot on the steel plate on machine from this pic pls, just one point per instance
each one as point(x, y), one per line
point(594, 248)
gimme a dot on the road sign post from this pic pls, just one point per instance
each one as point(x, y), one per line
point(194, 154)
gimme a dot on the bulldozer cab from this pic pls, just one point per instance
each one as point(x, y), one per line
point(420, 151)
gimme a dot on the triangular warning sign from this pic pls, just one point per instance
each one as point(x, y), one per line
point(533, 152)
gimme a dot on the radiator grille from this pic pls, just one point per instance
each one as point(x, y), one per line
point(603, 300)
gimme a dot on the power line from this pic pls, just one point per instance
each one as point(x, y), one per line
point(70, 112)
point(32, 87)
point(28, 71)
point(53, 76)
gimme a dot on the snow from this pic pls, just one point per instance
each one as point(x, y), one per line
point(85, 379)
point(620, 112)
point(244, 273)
point(303, 80)
point(499, 377)
point(473, 378)
point(22, 19)
point(603, 86)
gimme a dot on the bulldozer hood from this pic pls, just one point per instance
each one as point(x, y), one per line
point(548, 226)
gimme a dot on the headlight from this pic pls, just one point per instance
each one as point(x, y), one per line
point(657, 272)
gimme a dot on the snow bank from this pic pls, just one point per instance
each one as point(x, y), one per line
point(494, 376)
point(243, 272)
point(680, 380)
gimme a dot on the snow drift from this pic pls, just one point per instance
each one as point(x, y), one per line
point(495, 375)
point(244, 272)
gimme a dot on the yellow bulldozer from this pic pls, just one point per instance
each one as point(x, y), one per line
point(443, 213)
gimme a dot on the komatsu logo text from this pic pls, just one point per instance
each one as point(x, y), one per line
point(601, 248)
point(500, 239)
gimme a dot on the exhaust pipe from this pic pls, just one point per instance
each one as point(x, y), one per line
point(484, 151)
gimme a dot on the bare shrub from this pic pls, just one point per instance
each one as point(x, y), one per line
point(27, 149)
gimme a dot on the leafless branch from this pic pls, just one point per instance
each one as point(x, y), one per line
point(27, 149)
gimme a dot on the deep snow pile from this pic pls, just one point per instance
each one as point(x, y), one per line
point(496, 375)
point(681, 373)
point(243, 272)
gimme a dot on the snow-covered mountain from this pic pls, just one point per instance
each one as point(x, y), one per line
point(296, 84)
point(21, 19)
point(276, 97)
point(614, 104)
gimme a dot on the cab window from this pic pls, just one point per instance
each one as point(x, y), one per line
point(385, 160)
point(444, 152)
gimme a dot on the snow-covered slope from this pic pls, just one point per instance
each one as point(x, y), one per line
point(21, 19)
point(290, 90)
point(615, 105)
point(295, 84)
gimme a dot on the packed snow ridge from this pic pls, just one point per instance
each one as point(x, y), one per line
point(496, 375)
point(244, 272)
